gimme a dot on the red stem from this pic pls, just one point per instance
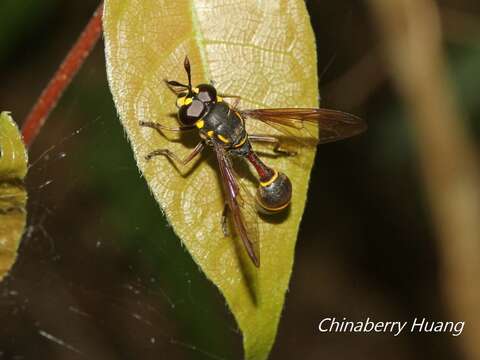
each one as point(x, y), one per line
point(63, 77)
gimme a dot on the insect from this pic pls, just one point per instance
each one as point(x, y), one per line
point(221, 126)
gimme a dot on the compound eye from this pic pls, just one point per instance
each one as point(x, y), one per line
point(191, 113)
point(207, 93)
point(196, 109)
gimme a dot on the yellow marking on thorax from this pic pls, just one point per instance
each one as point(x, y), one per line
point(195, 90)
point(271, 180)
point(223, 139)
point(240, 117)
point(200, 123)
point(210, 133)
point(219, 99)
point(241, 142)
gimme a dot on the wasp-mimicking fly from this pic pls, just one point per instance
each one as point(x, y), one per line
point(222, 126)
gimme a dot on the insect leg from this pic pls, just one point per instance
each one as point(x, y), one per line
point(272, 140)
point(228, 96)
point(175, 158)
point(224, 220)
point(159, 127)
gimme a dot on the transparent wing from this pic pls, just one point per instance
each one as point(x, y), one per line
point(242, 211)
point(304, 124)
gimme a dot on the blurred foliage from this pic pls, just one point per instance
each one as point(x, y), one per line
point(13, 197)
point(465, 70)
point(20, 18)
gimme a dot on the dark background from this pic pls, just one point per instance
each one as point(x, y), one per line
point(100, 275)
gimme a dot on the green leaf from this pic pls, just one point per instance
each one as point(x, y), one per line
point(261, 51)
point(13, 197)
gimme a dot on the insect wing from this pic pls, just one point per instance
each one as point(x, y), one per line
point(297, 123)
point(242, 211)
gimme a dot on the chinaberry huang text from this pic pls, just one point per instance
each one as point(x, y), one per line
point(417, 325)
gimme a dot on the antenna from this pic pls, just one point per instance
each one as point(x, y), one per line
point(186, 65)
point(175, 84)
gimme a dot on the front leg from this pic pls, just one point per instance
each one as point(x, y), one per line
point(159, 127)
point(165, 152)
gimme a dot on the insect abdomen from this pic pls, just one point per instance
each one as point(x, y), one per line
point(274, 195)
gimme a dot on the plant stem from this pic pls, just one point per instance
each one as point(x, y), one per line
point(63, 77)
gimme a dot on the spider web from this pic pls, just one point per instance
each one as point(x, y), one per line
point(100, 275)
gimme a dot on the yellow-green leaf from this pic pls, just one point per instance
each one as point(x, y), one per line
point(13, 197)
point(265, 53)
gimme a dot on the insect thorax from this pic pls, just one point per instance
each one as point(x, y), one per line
point(224, 124)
